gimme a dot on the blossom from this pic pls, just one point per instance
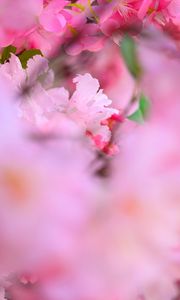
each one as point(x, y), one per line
point(90, 38)
point(48, 25)
point(34, 216)
point(89, 200)
point(87, 108)
point(17, 18)
point(51, 18)
point(145, 198)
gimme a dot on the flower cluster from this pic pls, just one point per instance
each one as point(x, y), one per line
point(47, 24)
point(89, 149)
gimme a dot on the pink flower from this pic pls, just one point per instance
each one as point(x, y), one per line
point(17, 17)
point(89, 106)
point(52, 18)
point(173, 12)
point(44, 106)
point(90, 38)
point(37, 206)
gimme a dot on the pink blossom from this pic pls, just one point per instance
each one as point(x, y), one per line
point(17, 18)
point(87, 108)
point(51, 18)
point(173, 12)
point(33, 215)
point(90, 38)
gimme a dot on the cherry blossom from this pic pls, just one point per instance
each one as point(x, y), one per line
point(87, 108)
point(89, 150)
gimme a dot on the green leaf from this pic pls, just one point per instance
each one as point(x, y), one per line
point(27, 54)
point(129, 53)
point(136, 117)
point(6, 54)
point(144, 106)
point(141, 113)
